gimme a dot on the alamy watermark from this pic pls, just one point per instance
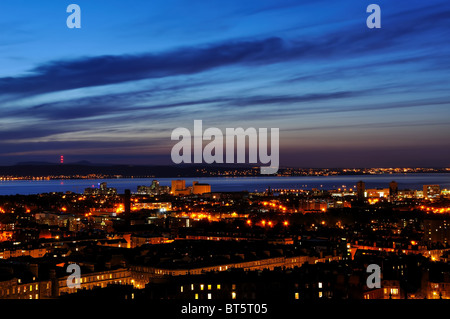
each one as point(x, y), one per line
point(258, 145)
point(374, 279)
point(73, 21)
point(74, 280)
point(374, 19)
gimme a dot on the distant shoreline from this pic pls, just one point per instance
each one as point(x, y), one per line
point(92, 171)
point(46, 178)
point(411, 181)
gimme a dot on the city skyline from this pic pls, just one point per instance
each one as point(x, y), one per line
point(342, 95)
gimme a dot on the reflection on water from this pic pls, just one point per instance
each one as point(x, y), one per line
point(218, 184)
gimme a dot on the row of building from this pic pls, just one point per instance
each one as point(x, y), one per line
point(55, 283)
point(300, 280)
point(178, 188)
point(393, 192)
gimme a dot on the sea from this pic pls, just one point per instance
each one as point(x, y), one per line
point(226, 184)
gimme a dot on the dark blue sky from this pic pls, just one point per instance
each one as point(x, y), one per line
point(113, 91)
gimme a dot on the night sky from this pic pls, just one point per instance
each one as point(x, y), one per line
point(343, 95)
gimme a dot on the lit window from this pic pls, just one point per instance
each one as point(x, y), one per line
point(209, 296)
point(320, 285)
point(218, 286)
point(196, 296)
point(209, 287)
point(320, 294)
point(297, 296)
point(181, 288)
point(233, 295)
point(192, 286)
point(201, 287)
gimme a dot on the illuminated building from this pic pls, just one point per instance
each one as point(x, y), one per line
point(377, 192)
point(199, 189)
point(18, 289)
point(101, 189)
point(143, 274)
point(418, 194)
point(438, 290)
point(177, 185)
point(92, 280)
point(309, 282)
point(406, 194)
point(390, 289)
point(218, 238)
point(146, 239)
point(313, 205)
point(431, 191)
point(445, 193)
point(7, 226)
point(32, 252)
point(436, 230)
point(162, 206)
point(21, 281)
point(179, 188)
point(153, 189)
